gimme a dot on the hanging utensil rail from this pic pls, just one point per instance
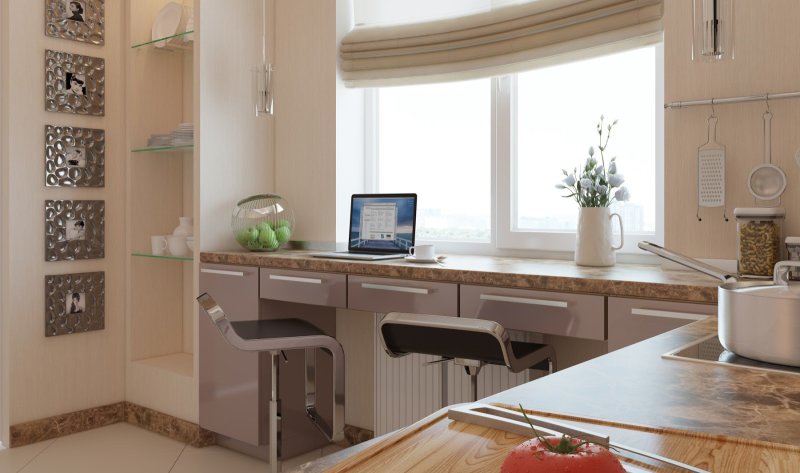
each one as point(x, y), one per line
point(743, 98)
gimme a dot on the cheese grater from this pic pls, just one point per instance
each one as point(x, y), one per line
point(711, 172)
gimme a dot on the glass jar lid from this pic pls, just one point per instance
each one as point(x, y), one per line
point(760, 212)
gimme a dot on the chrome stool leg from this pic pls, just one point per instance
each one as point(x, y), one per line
point(274, 440)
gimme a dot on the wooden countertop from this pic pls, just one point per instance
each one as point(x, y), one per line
point(634, 386)
point(624, 280)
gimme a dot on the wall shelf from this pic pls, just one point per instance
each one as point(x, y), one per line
point(167, 47)
point(164, 149)
point(165, 257)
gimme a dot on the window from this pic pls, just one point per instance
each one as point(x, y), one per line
point(449, 141)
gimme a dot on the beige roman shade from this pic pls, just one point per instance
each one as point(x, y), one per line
point(501, 41)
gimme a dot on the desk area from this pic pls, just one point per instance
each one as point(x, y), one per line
point(583, 312)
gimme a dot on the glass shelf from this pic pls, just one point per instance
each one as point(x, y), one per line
point(168, 47)
point(163, 149)
point(167, 257)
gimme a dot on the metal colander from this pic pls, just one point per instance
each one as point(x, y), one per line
point(262, 222)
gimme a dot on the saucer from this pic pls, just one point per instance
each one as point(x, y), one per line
point(412, 259)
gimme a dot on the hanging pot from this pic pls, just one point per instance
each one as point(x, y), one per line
point(756, 319)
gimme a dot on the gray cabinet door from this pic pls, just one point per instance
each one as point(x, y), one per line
point(229, 378)
point(634, 320)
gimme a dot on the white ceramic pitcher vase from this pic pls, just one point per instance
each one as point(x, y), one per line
point(593, 245)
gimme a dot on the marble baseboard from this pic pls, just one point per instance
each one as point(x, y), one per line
point(80, 421)
point(355, 435)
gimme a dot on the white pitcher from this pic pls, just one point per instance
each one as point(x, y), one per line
point(593, 245)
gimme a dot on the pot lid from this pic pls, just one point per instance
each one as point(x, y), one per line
point(793, 240)
point(772, 292)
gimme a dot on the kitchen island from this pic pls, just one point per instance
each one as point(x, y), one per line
point(635, 388)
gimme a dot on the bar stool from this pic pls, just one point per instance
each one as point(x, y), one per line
point(470, 343)
point(278, 335)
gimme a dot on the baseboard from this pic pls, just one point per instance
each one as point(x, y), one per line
point(58, 426)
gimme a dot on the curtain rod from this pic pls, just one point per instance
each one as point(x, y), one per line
point(744, 98)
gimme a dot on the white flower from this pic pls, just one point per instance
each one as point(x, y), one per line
point(615, 180)
point(560, 186)
point(612, 168)
point(586, 183)
point(601, 189)
point(591, 150)
point(590, 161)
point(622, 194)
point(598, 171)
point(569, 181)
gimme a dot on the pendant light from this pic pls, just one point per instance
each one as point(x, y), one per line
point(712, 30)
point(263, 73)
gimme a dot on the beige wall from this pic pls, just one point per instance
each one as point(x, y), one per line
point(49, 376)
point(766, 41)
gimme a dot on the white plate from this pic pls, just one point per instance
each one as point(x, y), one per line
point(167, 22)
point(412, 259)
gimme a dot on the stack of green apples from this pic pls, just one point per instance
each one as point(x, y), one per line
point(265, 236)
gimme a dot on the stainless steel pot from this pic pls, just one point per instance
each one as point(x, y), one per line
point(756, 319)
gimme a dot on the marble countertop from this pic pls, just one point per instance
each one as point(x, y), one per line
point(625, 280)
point(635, 386)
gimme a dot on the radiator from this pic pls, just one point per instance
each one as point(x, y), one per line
point(406, 390)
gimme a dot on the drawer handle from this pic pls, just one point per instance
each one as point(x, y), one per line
point(525, 300)
point(222, 272)
point(668, 314)
point(278, 277)
point(384, 287)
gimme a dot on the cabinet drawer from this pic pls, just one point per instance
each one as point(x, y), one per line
point(305, 287)
point(402, 295)
point(634, 320)
point(555, 313)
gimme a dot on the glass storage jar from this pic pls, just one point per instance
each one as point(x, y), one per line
point(793, 251)
point(759, 236)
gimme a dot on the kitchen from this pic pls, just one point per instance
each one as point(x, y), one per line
point(141, 356)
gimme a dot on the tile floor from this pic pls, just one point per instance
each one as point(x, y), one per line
point(123, 448)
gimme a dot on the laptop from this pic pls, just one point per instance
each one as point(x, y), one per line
point(382, 226)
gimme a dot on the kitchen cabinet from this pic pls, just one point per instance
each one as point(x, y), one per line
point(402, 295)
point(305, 287)
point(633, 320)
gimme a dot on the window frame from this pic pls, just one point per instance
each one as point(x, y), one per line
point(504, 240)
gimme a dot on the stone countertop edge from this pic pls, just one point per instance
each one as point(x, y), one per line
point(622, 280)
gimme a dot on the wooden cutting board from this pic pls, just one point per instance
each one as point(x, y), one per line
point(438, 444)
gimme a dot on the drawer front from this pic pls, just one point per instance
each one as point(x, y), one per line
point(230, 401)
point(401, 295)
point(555, 313)
point(305, 287)
point(634, 320)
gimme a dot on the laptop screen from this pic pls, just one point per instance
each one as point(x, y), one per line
point(382, 223)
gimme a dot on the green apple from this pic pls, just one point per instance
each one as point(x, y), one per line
point(283, 234)
point(268, 241)
point(243, 236)
point(253, 245)
point(265, 235)
point(253, 233)
point(263, 227)
point(282, 223)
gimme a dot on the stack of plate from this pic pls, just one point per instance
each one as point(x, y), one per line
point(159, 140)
point(183, 135)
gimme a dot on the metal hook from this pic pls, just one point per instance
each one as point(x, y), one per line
point(766, 99)
point(713, 111)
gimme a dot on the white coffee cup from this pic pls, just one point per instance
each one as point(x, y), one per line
point(426, 252)
point(177, 245)
point(158, 245)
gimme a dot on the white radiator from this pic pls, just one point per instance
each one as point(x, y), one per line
point(406, 390)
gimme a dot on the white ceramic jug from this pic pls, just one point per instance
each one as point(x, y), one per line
point(185, 227)
point(593, 245)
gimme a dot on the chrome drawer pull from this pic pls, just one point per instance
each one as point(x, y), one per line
point(384, 287)
point(525, 300)
point(222, 272)
point(278, 277)
point(668, 314)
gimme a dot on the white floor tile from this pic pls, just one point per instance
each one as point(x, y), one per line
point(13, 459)
point(217, 459)
point(292, 463)
point(118, 448)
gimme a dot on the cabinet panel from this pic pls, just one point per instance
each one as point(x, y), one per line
point(305, 287)
point(229, 391)
point(556, 313)
point(401, 295)
point(634, 320)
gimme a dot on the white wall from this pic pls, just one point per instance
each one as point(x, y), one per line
point(4, 199)
point(49, 376)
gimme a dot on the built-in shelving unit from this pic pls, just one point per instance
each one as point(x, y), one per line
point(160, 368)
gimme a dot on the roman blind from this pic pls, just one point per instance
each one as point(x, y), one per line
point(494, 40)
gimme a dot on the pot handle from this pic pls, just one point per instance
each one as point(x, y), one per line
point(781, 274)
point(621, 232)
